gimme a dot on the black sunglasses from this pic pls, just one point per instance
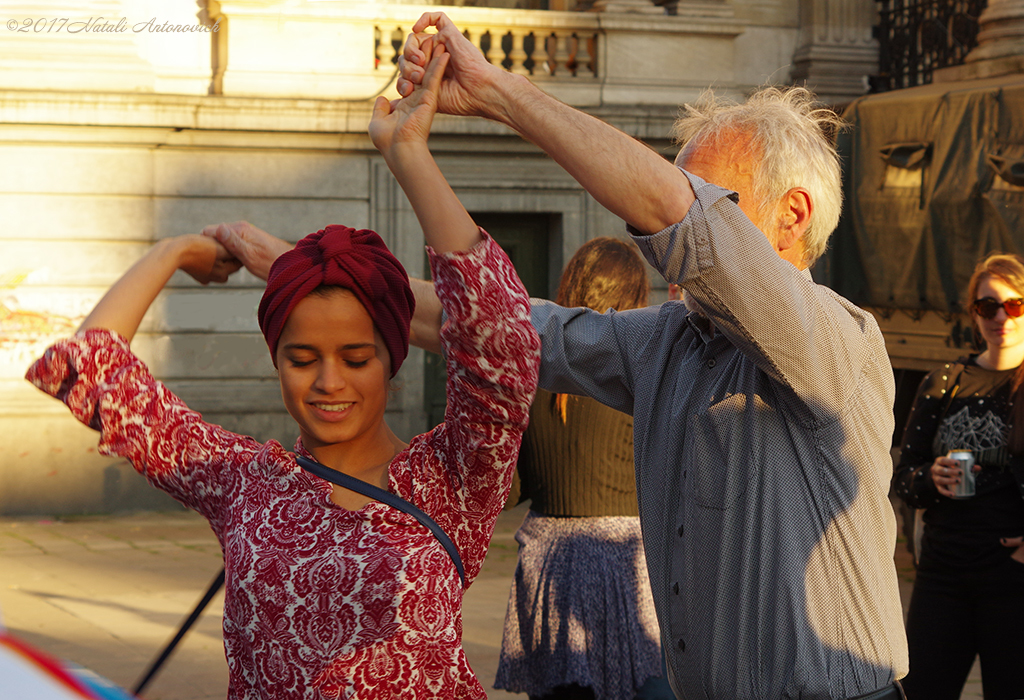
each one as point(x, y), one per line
point(989, 307)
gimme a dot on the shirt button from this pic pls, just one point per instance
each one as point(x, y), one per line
point(680, 531)
point(675, 587)
point(682, 645)
point(711, 363)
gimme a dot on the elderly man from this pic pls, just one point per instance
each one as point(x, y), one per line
point(762, 415)
point(762, 404)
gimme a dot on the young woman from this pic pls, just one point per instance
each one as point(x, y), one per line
point(581, 621)
point(329, 593)
point(968, 596)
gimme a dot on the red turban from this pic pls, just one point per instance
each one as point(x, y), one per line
point(343, 257)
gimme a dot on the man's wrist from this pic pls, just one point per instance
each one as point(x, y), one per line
point(511, 92)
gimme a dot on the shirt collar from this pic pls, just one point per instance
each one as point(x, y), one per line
point(703, 325)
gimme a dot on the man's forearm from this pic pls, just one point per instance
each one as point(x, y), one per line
point(623, 174)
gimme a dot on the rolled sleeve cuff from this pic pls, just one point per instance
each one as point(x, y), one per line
point(683, 250)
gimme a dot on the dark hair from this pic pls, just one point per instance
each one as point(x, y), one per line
point(1008, 269)
point(605, 273)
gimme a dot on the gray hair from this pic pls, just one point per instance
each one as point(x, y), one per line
point(793, 136)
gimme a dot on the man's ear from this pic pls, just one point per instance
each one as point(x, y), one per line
point(795, 218)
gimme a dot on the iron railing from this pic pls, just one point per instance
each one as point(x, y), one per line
point(917, 37)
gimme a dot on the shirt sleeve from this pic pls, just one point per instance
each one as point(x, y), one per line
point(800, 333)
point(492, 354)
point(111, 390)
point(912, 480)
point(592, 354)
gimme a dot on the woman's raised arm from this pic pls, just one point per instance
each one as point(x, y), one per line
point(399, 130)
point(121, 309)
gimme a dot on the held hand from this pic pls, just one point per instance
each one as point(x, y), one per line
point(468, 81)
point(407, 121)
point(1018, 544)
point(946, 475)
point(207, 261)
point(252, 247)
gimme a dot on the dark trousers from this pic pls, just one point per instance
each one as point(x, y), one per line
point(957, 615)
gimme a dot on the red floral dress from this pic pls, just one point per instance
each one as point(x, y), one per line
point(322, 602)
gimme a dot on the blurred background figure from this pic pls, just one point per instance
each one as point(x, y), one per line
point(968, 596)
point(580, 620)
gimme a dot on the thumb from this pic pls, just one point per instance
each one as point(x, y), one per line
point(223, 234)
point(1012, 541)
point(381, 108)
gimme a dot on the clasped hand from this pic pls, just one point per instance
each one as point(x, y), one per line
point(406, 121)
point(206, 260)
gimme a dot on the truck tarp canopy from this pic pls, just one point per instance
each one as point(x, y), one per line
point(934, 180)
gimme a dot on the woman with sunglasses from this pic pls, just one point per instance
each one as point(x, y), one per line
point(968, 597)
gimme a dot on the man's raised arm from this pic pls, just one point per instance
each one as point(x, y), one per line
point(624, 175)
point(254, 248)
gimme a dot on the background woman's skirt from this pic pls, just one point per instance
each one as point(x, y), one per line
point(580, 610)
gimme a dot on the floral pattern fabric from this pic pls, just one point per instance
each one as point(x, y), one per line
point(322, 602)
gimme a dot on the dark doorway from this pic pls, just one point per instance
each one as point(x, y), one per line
point(525, 238)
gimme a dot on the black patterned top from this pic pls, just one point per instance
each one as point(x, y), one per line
point(962, 406)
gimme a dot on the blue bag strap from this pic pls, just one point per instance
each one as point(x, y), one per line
point(397, 502)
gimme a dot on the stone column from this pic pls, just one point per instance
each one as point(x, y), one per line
point(836, 52)
point(1000, 49)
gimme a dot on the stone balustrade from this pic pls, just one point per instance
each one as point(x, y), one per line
point(323, 51)
point(539, 52)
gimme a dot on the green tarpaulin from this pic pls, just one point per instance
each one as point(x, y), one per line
point(934, 180)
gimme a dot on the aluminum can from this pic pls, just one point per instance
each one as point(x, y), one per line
point(964, 489)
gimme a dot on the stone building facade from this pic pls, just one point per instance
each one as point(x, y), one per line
point(125, 122)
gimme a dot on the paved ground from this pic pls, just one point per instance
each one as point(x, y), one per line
point(108, 592)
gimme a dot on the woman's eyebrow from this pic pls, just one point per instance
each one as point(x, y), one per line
point(313, 348)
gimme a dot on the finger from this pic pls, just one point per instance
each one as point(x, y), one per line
point(409, 71)
point(404, 87)
point(1012, 541)
point(430, 19)
point(435, 71)
point(417, 48)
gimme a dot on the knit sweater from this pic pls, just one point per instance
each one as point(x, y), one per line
point(580, 467)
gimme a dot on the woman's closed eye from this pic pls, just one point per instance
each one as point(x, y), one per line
point(300, 361)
